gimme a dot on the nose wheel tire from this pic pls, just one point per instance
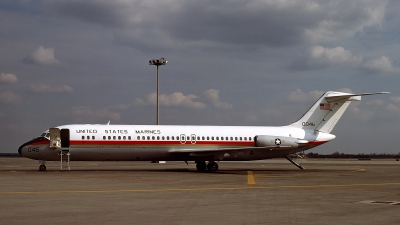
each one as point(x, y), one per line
point(42, 168)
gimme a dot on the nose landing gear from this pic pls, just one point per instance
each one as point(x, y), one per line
point(42, 166)
point(210, 167)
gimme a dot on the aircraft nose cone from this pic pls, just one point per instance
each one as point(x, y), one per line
point(20, 149)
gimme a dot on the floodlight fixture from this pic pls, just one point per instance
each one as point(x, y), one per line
point(157, 63)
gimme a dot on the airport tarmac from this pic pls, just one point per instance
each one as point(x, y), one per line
point(261, 192)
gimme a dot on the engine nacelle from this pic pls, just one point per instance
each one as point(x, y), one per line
point(275, 142)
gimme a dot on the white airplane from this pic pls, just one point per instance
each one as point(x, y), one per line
point(200, 144)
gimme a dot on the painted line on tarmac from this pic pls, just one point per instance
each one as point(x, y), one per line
point(250, 178)
point(192, 189)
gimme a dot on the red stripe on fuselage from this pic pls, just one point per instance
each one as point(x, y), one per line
point(153, 142)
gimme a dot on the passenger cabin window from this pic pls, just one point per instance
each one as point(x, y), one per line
point(104, 137)
point(129, 137)
point(83, 137)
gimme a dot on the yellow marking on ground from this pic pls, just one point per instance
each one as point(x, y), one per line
point(250, 178)
point(361, 170)
point(193, 189)
point(13, 171)
point(275, 176)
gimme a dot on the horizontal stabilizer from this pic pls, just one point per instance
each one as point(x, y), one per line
point(339, 96)
point(328, 109)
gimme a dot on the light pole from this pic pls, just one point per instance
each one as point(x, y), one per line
point(157, 62)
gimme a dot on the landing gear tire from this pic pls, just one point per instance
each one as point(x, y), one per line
point(201, 166)
point(212, 166)
point(42, 168)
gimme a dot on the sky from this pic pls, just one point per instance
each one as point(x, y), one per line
point(252, 62)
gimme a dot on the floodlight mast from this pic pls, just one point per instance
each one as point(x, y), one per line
point(157, 63)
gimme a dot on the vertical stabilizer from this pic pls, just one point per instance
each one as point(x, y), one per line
point(326, 112)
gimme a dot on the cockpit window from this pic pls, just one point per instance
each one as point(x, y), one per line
point(46, 135)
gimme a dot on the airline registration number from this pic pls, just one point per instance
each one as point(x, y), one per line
point(33, 149)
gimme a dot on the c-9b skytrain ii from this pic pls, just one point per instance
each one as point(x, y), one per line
point(205, 145)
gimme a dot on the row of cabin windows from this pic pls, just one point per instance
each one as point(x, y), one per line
point(203, 138)
point(108, 137)
point(192, 138)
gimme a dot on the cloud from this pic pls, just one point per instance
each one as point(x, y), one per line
point(43, 88)
point(8, 78)
point(345, 90)
point(333, 56)
point(301, 96)
point(395, 99)
point(210, 98)
point(318, 57)
point(42, 56)
point(376, 102)
point(174, 99)
point(9, 97)
point(87, 113)
point(150, 25)
point(342, 19)
point(381, 65)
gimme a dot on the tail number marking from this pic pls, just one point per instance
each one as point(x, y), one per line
point(308, 124)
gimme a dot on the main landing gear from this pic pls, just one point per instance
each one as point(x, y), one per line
point(202, 166)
